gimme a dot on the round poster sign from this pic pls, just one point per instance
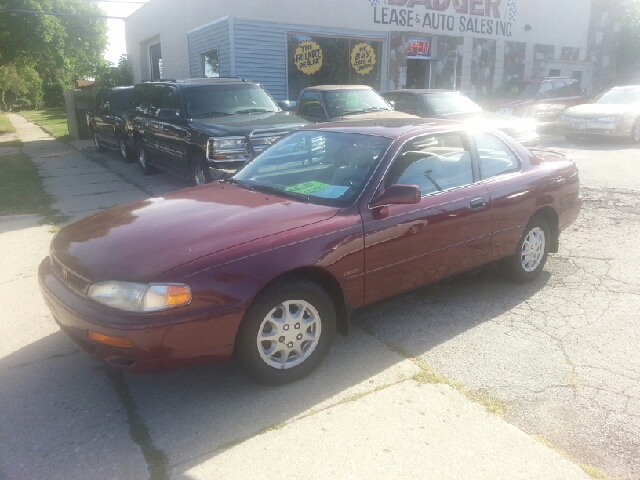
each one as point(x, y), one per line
point(363, 58)
point(308, 57)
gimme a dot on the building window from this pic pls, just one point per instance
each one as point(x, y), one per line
point(483, 67)
point(316, 60)
point(447, 71)
point(514, 53)
point(209, 66)
point(155, 59)
point(541, 55)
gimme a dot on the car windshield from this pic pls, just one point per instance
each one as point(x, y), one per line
point(228, 99)
point(352, 101)
point(517, 90)
point(444, 103)
point(320, 167)
point(619, 96)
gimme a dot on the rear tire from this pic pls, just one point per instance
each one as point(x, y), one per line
point(532, 251)
point(144, 158)
point(125, 151)
point(96, 142)
point(286, 332)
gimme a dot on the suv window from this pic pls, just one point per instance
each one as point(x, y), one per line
point(495, 157)
point(308, 101)
point(170, 104)
point(561, 89)
point(433, 163)
point(155, 99)
point(140, 98)
point(546, 90)
point(575, 89)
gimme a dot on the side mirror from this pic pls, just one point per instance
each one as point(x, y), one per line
point(397, 195)
point(285, 105)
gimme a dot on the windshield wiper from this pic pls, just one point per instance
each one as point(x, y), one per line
point(364, 110)
point(283, 193)
point(208, 114)
point(255, 110)
point(240, 183)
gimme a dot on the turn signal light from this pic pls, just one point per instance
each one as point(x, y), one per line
point(118, 342)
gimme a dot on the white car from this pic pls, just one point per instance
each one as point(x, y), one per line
point(614, 113)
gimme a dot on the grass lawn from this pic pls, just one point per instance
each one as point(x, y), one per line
point(21, 188)
point(53, 120)
point(5, 124)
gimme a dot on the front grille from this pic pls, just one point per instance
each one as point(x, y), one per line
point(68, 277)
point(260, 141)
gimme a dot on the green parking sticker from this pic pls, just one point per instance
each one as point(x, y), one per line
point(352, 100)
point(307, 188)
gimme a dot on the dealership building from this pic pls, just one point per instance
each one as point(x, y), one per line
point(469, 45)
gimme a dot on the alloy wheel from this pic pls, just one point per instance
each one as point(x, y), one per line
point(533, 248)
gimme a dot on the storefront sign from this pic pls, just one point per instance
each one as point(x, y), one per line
point(485, 17)
point(419, 48)
point(363, 58)
point(308, 57)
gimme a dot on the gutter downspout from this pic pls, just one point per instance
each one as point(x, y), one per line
point(232, 47)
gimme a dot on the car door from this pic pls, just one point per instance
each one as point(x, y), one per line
point(510, 193)
point(172, 134)
point(100, 112)
point(152, 126)
point(108, 127)
point(446, 232)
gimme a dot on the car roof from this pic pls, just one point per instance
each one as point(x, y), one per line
point(541, 79)
point(200, 81)
point(339, 87)
point(390, 127)
point(423, 90)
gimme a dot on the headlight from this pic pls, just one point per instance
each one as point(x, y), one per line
point(139, 297)
point(610, 119)
point(505, 111)
point(225, 143)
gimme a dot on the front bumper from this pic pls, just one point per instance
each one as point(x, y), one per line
point(169, 344)
point(603, 129)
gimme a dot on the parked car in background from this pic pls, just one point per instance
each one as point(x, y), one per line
point(267, 265)
point(332, 103)
point(107, 121)
point(614, 113)
point(541, 99)
point(455, 105)
point(190, 127)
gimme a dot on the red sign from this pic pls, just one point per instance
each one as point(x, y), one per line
point(419, 48)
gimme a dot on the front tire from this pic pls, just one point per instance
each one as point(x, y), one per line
point(286, 332)
point(144, 158)
point(200, 171)
point(532, 251)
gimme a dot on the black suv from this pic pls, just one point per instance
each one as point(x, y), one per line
point(187, 127)
point(107, 120)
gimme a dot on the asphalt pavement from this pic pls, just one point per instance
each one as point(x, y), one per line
point(366, 412)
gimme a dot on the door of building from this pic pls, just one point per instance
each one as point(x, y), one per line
point(418, 73)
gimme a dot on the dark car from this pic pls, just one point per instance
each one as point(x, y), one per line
point(541, 99)
point(107, 121)
point(267, 265)
point(332, 103)
point(455, 105)
point(190, 127)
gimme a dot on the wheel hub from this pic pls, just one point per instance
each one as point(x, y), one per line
point(533, 248)
point(288, 334)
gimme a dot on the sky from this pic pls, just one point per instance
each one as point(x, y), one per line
point(117, 45)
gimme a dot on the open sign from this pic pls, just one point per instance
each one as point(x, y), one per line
point(419, 48)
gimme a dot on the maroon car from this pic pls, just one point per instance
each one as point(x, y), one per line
point(267, 265)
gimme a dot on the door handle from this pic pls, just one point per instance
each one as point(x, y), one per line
point(478, 203)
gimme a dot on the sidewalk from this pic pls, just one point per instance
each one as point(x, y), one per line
point(385, 426)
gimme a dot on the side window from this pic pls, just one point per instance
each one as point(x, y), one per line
point(434, 163)
point(495, 157)
point(311, 106)
point(155, 100)
point(139, 99)
point(545, 90)
point(170, 106)
point(561, 89)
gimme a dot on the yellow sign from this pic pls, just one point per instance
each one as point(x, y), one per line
point(308, 57)
point(363, 58)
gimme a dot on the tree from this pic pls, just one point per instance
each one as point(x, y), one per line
point(60, 49)
point(117, 76)
point(629, 47)
point(19, 83)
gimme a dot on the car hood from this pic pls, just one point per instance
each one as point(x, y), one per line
point(244, 123)
point(139, 241)
point(598, 110)
point(496, 103)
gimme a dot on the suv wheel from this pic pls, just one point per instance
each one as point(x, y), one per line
point(200, 171)
point(144, 158)
point(125, 151)
point(96, 142)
